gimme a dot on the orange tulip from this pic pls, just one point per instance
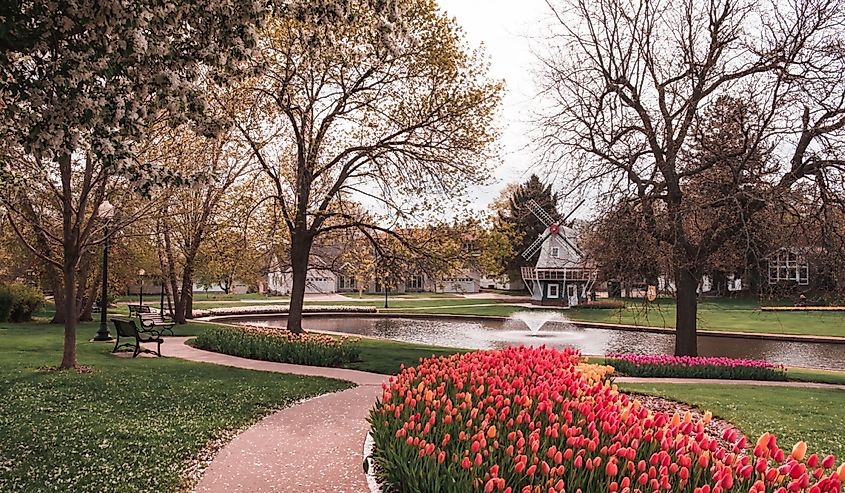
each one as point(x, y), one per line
point(799, 450)
point(841, 472)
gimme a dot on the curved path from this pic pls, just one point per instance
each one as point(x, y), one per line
point(315, 446)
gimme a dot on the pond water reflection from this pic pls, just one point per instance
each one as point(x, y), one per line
point(492, 334)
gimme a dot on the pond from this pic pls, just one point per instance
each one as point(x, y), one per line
point(493, 334)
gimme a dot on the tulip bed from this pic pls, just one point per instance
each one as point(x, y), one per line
point(280, 310)
point(640, 365)
point(281, 346)
point(541, 420)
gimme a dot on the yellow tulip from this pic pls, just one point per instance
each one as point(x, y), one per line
point(799, 450)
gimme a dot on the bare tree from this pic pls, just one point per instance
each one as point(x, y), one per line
point(344, 110)
point(627, 83)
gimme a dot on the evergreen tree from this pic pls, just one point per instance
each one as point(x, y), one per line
point(524, 222)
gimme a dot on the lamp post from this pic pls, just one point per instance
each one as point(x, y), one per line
point(141, 273)
point(106, 213)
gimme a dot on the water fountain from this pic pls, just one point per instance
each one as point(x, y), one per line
point(536, 319)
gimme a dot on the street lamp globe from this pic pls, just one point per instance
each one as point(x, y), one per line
point(106, 211)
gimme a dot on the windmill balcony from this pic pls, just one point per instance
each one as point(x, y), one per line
point(565, 274)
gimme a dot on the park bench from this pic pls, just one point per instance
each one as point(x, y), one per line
point(127, 329)
point(156, 321)
point(134, 310)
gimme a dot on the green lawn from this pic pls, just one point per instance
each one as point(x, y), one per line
point(722, 314)
point(364, 296)
point(202, 296)
point(383, 356)
point(812, 415)
point(132, 424)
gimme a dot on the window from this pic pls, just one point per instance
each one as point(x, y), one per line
point(788, 266)
point(415, 283)
point(555, 252)
point(345, 282)
point(553, 291)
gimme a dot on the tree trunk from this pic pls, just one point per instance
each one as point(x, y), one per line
point(69, 271)
point(87, 307)
point(686, 339)
point(299, 252)
point(55, 282)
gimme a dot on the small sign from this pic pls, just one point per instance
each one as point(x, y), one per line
point(652, 293)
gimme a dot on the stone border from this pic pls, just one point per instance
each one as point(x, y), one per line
point(576, 323)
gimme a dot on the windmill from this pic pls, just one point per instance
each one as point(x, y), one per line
point(553, 227)
point(560, 276)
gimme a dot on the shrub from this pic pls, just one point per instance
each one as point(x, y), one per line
point(18, 302)
point(5, 303)
point(530, 420)
point(638, 365)
point(281, 310)
point(604, 304)
point(281, 346)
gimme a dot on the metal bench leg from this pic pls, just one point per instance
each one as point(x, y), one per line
point(116, 343)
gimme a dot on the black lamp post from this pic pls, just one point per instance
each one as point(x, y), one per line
point(106, 213)
point(141, 273)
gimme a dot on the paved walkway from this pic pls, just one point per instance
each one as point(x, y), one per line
point(315, 446)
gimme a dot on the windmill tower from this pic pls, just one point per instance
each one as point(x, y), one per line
point(561, 275)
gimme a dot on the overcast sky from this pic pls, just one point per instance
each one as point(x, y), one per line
point(504, 27)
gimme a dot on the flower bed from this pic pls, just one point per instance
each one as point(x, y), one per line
point(639, 365)
point(275, 309)
point(539, 420)
point(603, 304)
point(281, 346)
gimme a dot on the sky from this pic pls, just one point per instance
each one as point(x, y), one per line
point(504, 28)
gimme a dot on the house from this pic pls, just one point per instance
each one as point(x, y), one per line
point(319, 278)
point(503, 282)
point(788, 266)
point(561, 276)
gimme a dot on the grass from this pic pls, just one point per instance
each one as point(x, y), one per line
point(732, 315)
point(131, 424)
point(383, 356)
point(741, 315)
point(793, 414)
point(202, 296)
point(355, 296)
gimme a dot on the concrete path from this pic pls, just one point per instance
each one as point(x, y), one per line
point(315, 446)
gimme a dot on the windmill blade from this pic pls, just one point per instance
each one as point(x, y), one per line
point(541, 213)
point(532, 249)
point(572, 246)
point(579, 204)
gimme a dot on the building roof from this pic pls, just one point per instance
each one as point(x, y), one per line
point(568, 254)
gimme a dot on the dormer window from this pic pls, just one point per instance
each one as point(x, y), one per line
point(555, 252)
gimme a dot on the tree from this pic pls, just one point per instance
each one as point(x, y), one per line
point(525, 225)
point(188, 216)
point(403, 119)
point(628, 84)
point(80, 82)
